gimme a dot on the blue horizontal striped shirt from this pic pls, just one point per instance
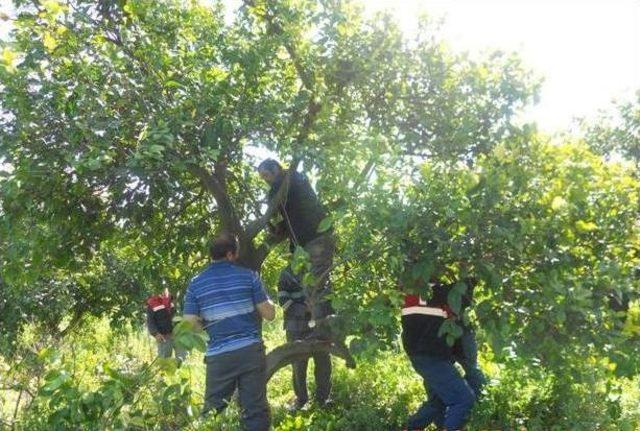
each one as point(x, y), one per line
point(225, 296)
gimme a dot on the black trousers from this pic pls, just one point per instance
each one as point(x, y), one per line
point(242, 369)
point(322, 373)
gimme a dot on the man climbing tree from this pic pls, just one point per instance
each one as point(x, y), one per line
point(296, 324)
point(302, 213)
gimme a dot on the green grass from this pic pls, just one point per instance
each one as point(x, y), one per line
point(377, 395)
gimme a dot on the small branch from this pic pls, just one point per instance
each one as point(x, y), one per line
point(75, 321)
point(276, 29)
point(364, 174)
point(16, 409)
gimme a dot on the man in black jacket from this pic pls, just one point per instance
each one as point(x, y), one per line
point(302, 213)
point(450, 397)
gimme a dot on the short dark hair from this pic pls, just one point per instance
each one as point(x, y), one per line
point(270, 165)
point(222, 245)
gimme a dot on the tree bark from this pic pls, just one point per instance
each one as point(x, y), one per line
point(293, 351)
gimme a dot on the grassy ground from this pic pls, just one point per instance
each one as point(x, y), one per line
point(377, 395)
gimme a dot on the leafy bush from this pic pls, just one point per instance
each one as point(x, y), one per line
point(107, 380)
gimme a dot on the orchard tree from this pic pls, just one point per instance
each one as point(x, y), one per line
point(618, 133)
point(128, 129)
point(548, 231)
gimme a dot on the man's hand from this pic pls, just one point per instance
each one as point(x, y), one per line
point(266, 310)
point(277, 233)
point(160, 338)
point(287, 304)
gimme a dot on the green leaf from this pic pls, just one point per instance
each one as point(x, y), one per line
point(558, 203)
point(325, 224)
point(454, 299)
point(583, 226)
point(55, 380)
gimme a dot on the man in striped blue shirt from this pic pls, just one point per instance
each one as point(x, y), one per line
point(229, 302)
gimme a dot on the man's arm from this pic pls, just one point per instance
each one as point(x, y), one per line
point(266, 310)
point(263, 303)
point(276, 233)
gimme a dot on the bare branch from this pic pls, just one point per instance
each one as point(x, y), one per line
point(16, 410)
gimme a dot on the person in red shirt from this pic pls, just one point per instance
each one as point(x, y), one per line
point(160, 312)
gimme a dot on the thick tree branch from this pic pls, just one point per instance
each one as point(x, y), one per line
point(227, 212)
point(293, 351)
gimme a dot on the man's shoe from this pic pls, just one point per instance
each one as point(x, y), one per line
point(296, 406)
point(325, 404)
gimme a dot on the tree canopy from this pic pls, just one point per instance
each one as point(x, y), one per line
point(131, 131)
point(127, 128)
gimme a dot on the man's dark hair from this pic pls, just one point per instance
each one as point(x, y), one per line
point(270, 165)
point(222, 245)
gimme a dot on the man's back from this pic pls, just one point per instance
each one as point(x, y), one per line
point(303, 210)
point(225, 296)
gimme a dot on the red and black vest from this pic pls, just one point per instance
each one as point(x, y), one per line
point(159, 313)
point(421, 321)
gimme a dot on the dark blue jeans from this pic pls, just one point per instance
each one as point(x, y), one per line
point(449, 395)
point(466, 354)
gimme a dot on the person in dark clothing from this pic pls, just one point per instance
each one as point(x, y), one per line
point(450, 397)
point(297, 316)
point(465, 352)
point(160, 312)
point(302, 213)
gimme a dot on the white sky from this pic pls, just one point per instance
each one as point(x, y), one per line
point(588, 51)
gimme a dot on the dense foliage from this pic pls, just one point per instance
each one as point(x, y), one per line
point(129, 132)
point(549, 231)
point(84, 386)
point(128, 127)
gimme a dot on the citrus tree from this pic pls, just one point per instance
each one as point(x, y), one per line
point(549, 232)
point(617, 133)
point(128, 129)
point(129, 135)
